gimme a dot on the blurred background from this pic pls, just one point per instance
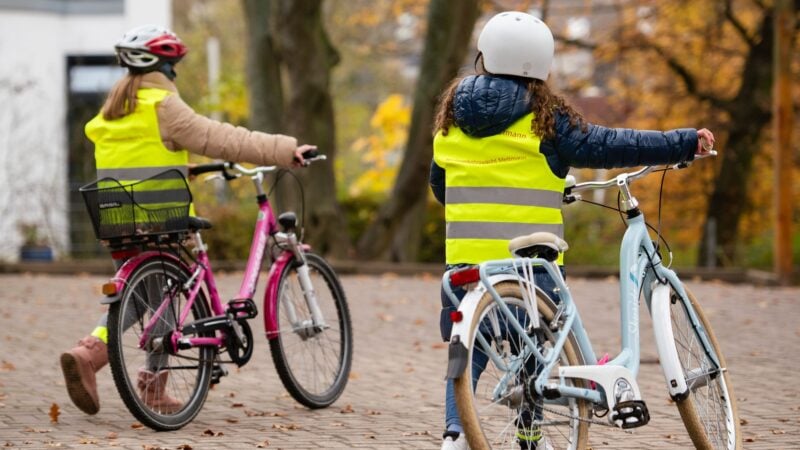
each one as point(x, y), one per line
point(360, 79)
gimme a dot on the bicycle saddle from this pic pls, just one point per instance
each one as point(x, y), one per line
point(198, 223)
point(542, 244)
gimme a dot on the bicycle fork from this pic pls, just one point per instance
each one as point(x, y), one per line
point(305, 328)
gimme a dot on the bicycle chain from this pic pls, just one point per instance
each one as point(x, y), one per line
point(582, 419)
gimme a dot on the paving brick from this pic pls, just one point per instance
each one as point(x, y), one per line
point(396, 388)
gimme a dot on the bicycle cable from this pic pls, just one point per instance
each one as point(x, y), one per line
point(618, 209)
point(280, 173)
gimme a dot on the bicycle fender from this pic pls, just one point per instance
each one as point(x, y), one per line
point(124, 272)
point(271, 326)
point(665, 342)
point(271, 294)
point(460, 339)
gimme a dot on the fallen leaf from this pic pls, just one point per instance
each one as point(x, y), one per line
point(137, 426)
point(354, 376)
point(87, 441)
point(749, 439)
point(264, 444)
point(232, 420)
point(283, 427)
point(54, 412)
point(210, 432)
point(385, 317)
point(439, 345)
point(743, 422)
point(778, 432)
point(373, 413)
point(111, 435)
point(6, 366)
point(237, 405)
point(348, 409)
point(184, 447)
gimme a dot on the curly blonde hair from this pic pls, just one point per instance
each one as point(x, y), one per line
point(544, 106)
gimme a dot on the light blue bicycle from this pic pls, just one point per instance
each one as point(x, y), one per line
point(524, 366)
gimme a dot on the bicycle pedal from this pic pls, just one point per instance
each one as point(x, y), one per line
point(218, 372)
point(242, 308)
point(630, 414)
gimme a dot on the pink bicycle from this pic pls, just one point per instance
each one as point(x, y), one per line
point(169, 331)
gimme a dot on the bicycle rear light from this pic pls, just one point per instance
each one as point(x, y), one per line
point(465, 276)
point(456, 316)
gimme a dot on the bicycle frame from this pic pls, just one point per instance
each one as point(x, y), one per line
point(202, 274)
point(641, 273)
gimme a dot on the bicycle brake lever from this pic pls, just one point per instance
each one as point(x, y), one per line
point(213, 177)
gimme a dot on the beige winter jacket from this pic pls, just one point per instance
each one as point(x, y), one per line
point(182, 128)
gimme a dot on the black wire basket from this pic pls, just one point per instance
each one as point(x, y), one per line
point(155, 206)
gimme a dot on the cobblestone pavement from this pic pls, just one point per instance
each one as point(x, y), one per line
point(394, 399)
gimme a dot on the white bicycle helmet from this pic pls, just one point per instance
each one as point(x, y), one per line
point(146, 47)
point(516, 43)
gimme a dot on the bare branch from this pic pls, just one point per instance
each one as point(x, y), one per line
point(688, 78)
point(737, 25)
point(579, 43)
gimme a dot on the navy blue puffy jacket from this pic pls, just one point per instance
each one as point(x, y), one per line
point(485, 105)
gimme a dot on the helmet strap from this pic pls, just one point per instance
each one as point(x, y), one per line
point(168, 69)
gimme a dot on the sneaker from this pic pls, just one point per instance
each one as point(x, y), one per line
point(452, 440)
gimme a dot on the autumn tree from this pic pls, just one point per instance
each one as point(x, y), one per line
point(399, 220)
point(288, 38)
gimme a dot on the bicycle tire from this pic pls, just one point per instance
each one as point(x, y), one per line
point(715, 398)
point(126, 358)
point(298, 345)
point(483, 423)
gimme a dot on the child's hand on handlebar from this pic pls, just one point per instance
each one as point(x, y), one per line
point(301, 152)
point(705, 142)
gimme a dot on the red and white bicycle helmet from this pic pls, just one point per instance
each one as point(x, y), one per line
point(147, 47)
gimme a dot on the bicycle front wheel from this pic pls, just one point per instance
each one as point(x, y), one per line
point(162, 390)
point(312, 360)
point(498, 408)
point(709, 410)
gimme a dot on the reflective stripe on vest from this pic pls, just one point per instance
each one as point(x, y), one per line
point(497, 188)
point(130, 149)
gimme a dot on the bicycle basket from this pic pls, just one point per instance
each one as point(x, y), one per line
point(153, 206)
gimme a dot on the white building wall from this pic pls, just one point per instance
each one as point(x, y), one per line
point(34, 46)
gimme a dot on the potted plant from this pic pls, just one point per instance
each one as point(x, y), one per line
point(35, 246)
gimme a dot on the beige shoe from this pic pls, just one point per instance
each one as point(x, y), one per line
point(79, 366)
point(153, 391)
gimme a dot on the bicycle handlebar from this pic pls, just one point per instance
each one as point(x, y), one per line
point(239, 170)
point(629, 176)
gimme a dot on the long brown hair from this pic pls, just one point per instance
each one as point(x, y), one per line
point(544, 106)
point(121, 100)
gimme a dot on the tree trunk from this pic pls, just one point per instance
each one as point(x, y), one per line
point(287, 38)
point(446, 43)
point(308, 58)
point(263, 67)
point(750, 112)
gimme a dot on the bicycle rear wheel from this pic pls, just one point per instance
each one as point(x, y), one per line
point(162, 390)
point(709, 411)
point(313, 362)
point(495, 424)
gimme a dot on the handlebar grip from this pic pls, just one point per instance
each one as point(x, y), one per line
point(310, 154)
point(205, 168)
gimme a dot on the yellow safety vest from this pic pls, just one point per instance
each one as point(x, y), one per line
point(130, 149)
point(497, 188)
